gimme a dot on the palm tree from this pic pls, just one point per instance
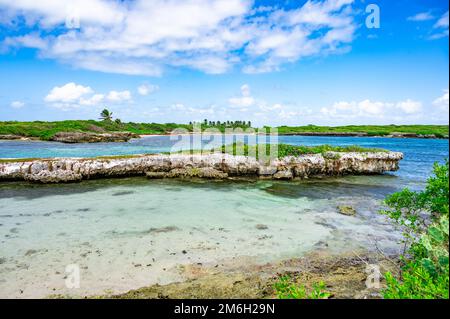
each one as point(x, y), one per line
point(106, 115)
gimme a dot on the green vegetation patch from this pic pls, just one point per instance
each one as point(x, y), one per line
point(46, 130)
point(282, 150)
point(371, 130)
point(18, 160)
point(423, 216)
point(286, 289)
point(423, 272)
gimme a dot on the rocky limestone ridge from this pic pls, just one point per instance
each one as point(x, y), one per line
point(212, 166)
point(87, 137)
point(16, 137)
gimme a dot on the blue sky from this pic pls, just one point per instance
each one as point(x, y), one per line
point(270, 62)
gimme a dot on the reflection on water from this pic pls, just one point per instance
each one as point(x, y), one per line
point(328, 190)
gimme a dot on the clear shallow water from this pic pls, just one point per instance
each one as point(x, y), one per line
point(145, 145)
point(128, 233)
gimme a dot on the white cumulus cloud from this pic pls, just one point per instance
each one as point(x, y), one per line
point(422, 16)
point(442, 102)
point(443, 21)
point(146, 89)
point(92, 100)
point(118, 96)
point(67, 93)
point(72, 95)
point(178, 107)
point(17, 104)
point(409, 106)
point(245, 100)
point(371, 109)
point(144, 37)
point(440, 27)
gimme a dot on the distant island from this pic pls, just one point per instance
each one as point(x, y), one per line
point(108, 130)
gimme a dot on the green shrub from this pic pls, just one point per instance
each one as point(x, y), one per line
point(285, 289)
point(423, 217)
point(371, 130)
point(283, 150)
point(426, 274)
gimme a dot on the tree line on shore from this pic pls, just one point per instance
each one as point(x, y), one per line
point(45, 130)
point(206, 122)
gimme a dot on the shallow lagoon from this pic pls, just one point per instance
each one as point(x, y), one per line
point(127, 233)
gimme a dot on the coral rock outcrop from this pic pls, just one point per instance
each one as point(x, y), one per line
point(211, 166)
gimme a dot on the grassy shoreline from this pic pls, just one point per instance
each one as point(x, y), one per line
point(440, 131)
point(283, 150)
point(46, 130)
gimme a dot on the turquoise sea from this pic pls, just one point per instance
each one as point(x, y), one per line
point(128, 233)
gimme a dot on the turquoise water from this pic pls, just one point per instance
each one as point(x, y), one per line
point(128, 233)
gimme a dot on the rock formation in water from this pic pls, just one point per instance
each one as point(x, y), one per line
point(87, 137)
point(346, 210)
point(15, 137)
point(212, 166)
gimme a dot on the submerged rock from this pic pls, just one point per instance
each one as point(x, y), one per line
point(202, 172)
point(283, 174)
point(156, 175)
point(284, 190)
point(30, 252)
point(122, 193)
point(346, 210)
point(166, 229)
point(149, 231)
point(210, 166)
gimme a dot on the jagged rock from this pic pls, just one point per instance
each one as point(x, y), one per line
point(156, 175)
point(284, 174)
point(346, 210)
point(203, 172)
point(267, 170)
point(13, 137)
point(87, 137)
point(60, 176)
point(207, 172)
point(215, 166)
